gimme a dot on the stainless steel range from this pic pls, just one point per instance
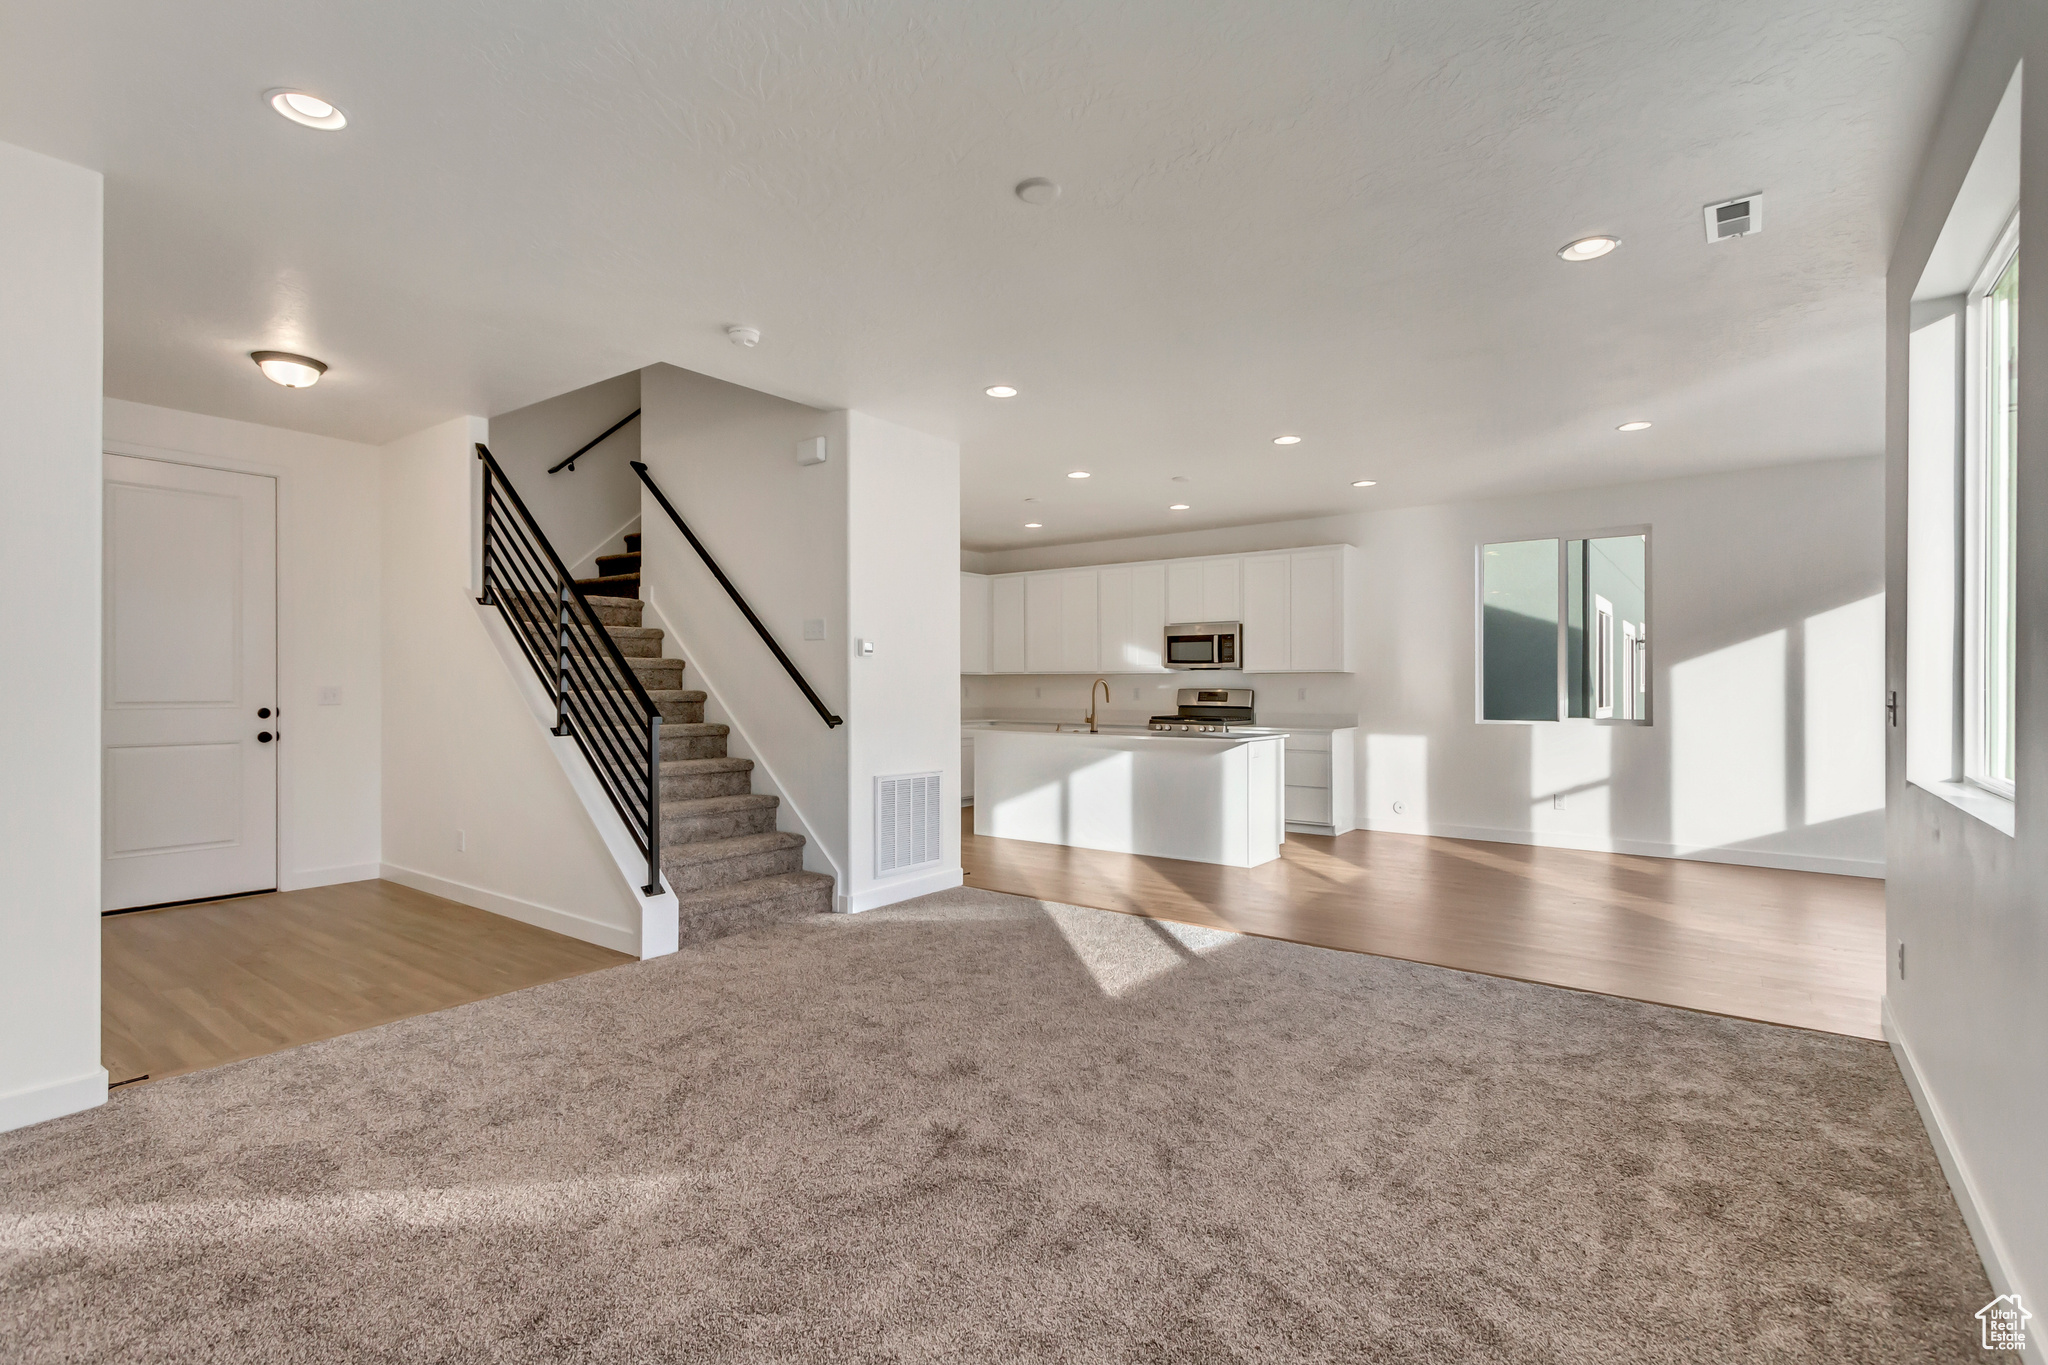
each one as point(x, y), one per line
point(1208, 711)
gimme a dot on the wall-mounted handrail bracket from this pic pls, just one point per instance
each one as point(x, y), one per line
point(789, 667)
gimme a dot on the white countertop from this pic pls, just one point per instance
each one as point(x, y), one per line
point(1121, 733)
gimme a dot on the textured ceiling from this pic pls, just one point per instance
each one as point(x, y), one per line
point(1336, 219)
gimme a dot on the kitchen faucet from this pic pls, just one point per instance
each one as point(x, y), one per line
point(1102, 683)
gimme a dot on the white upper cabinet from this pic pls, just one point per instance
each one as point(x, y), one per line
point(1006, 624)
point(1113, 619)
point(1133, 607)
point(1268, 622)
point(974, 623)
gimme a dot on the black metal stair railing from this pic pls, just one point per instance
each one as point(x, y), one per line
point(599, 700)
point(789, 667)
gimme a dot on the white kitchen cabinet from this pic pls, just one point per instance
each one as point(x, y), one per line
point(1204, 590)
point(1006, 623)
point(1315, 605)
point(1267, 618)
point(1184, 591)
point(1132, 634)
point(1061, 621)
point(1321, 777)
point(974, 623)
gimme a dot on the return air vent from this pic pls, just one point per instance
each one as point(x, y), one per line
point(906, 822)
point(1742, 217)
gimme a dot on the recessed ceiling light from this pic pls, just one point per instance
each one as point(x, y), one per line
point(1034, 525)
point(1363, 483)
point(310, 110)
point(1000, 391)
point(1588, 248)
point(1037, 191)
point(292, 371)
point(1633, 426)
point(1286, 440)
point(1180, 478)
point(1178, 507)
point(1078, 474)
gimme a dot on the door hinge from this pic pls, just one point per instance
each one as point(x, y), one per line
point(1891, 708)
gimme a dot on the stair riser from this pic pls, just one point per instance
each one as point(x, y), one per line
point(639, 647)
point(658, 674)
point(735, 919)
point(683, 713)
point(702, 876)
point(620, 615)
point(692, 746)
point(725, 824)
point(699, 785)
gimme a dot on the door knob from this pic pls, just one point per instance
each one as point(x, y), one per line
point(263, 736)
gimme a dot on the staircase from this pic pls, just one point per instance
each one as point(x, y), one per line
point(730, 868)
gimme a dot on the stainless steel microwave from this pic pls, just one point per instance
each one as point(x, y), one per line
point(1205, 644)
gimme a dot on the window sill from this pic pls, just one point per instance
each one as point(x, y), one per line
point(1972, 800)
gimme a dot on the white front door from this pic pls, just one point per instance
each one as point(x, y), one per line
point(188, 679)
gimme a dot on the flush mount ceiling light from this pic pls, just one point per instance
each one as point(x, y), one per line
point(1078, 474)
point(310, 110)
point(1633, 426)
point(292, 371)
point(1178, 507)
point(1037, 191)
point(1286, 440)
point(1587, 248)
point(1000, 391)
point(1034, 525)
point(1364, 483)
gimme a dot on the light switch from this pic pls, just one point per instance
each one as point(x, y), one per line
point(811, 450)
point(814, 630)
point(864, 648)
point(330, 696)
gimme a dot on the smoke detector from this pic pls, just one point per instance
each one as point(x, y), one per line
point(744, 336)
point(1742, 217)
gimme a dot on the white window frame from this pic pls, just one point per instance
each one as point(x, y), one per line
point(1976, 542)
point(1639, 708)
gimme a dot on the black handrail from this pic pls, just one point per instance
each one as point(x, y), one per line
point(599, 700)
point(570, 463)
point(734, 593)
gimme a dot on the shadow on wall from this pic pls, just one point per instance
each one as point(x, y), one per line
point(1772, 745)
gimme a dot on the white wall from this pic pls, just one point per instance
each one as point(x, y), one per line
point(1766, 630)
point(903, 545)
point(462, 750)
point(50, 310)
point(329, 583)
point(726, 458)
point(584, 510)
point(1970, 1016)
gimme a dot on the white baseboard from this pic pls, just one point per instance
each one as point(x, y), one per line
point(1742, 857)
point(53, 1099)
point(328, 876)
point(526, 912)
point(909, 888)
point(1984, 1232)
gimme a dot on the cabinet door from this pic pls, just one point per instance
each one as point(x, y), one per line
point(1184, 592)
point(1145, 643)
point(1266, 632)
point(1080, 620)
point(1113, 632)
point(974, 623)
point(1222, 595)
point(1043, 607)
point(1316, 602)
point(1006, 623)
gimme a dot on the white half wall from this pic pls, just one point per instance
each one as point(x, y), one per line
point(50, 311)
point(476, 805)
point(583, 510)
point(726, 458)
point(1965, 899)
point(1766, 656)
point(903, 594)
point(329, 606)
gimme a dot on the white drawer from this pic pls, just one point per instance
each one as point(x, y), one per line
point(1312, 740)
point(1308, 805)
point(1308, 769)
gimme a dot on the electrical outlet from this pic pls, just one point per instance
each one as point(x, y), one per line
point(1038, 692)
point(462, 841)
point(1301, 694)
point(1134, 694)
point(330, 696)
point(814, 630)
point(1557, 801)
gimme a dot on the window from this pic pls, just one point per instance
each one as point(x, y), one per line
point(1564, 629)
point(1990, 564)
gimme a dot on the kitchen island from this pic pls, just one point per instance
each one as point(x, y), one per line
point(1202, 798)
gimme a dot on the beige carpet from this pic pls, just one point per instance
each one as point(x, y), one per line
point(976, 1128)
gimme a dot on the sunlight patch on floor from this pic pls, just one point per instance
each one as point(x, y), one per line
point(1123, 952)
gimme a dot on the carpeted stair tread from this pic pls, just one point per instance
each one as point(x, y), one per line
point(710, 805)
point(780, 885)
point(681, 694)
point(626, 565)
point(739, 846)
point(690, 767)
point(632, 542)
point(618, 587)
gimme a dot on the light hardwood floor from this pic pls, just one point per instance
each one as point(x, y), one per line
point(198, 985)
point(1798, 948)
